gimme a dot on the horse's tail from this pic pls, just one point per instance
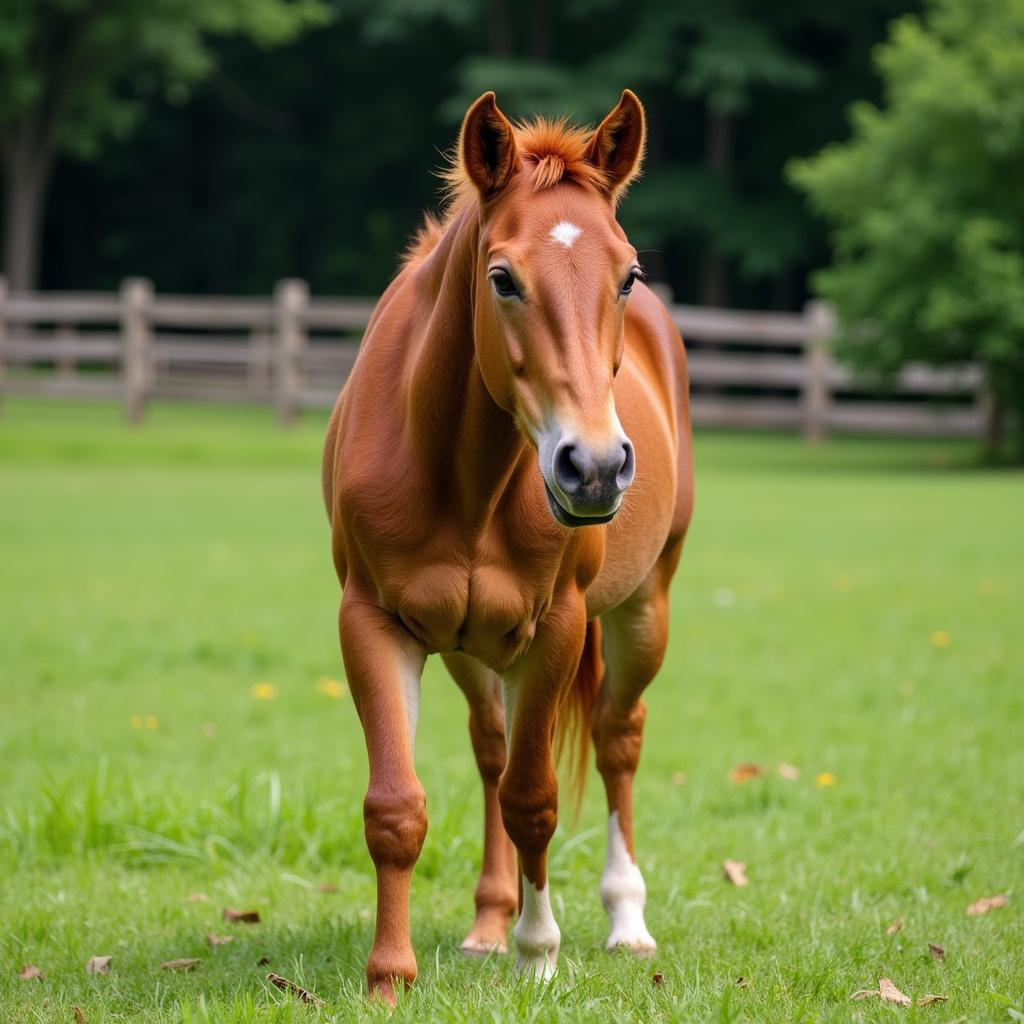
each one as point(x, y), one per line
point(573, 733)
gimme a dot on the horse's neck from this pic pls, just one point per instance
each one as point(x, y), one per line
point(470, 444)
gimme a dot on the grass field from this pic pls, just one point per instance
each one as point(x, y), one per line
point(170, 724)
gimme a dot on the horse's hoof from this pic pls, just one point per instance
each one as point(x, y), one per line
point(473, 946)
point(640, 943)
point(541, 968)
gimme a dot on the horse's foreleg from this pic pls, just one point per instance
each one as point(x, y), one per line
point(383, 664)
point(635, 635)
point(528, 790)
point(497, 897)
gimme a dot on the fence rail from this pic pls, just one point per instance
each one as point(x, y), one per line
point(747, 369)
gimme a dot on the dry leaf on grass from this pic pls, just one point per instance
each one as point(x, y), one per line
point(789, 771)
point(745, 771)
point(328, 887)
point(658, 979)
point(98, 965)
point(79, 1015)
point(244, 916)
point(213, 939)
point(937, 952)
point(889, 993)
point(678, 778)
point(983, 906)
point(296, 990)
point(735, 871)
point(30, 972)
point(886, 991)
point(197, 897)
point(929, 999)
point(185, 963)
point(896, 927)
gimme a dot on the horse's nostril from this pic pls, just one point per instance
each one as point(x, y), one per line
point(627, 468)
point(568, 469)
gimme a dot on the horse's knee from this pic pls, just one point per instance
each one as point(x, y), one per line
point(618, 736)
point(396, 824)
point(530, 814)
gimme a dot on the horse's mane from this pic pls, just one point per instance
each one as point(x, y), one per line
point(550, 151)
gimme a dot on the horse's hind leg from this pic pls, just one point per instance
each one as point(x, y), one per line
point(635, 635)
point(497, 892)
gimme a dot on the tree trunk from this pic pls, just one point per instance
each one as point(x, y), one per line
point(717, 159)
point(26, 177)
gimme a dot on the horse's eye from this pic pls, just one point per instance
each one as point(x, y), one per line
point(631, 278)
point(503, 283)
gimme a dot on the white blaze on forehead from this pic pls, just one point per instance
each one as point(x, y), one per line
point(565, 233)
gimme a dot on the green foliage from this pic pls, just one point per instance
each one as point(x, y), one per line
point(925, 200)
point(83, 68)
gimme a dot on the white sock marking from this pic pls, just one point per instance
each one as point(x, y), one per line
point(565, 233)
point(624, 894)
point(537, 934)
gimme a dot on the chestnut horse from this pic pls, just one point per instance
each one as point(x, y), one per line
point(508, 478)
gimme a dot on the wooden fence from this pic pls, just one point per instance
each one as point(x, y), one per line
point(755, 370)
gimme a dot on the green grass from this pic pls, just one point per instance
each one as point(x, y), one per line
point(164, 571)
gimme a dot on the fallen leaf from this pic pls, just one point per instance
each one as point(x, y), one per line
point(937, 952)
point(98, 965)
point(745, 771)
point(678, 778)
point(658, 979)
point(983, 906)
point(789, 771)
point(245, 916)
point(895, 927)
point(296, 990)
point(929, 999)
point(735, 871)
point(79, 1015)
point(30, 972)
point(263, 961)
point(328, 887)
point(185, 963)
point(889, 993)
point(865, 993)
point(213, 939)
point(197, 897)
point(742, 982)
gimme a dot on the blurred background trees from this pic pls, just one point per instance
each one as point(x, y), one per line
point(315, 159)
point(74, 75)
point(926, 203)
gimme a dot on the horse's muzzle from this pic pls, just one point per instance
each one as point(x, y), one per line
point(586, 484)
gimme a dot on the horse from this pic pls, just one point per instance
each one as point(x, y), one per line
point(508, 477)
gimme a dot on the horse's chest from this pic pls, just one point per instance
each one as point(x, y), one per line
point(484, 609)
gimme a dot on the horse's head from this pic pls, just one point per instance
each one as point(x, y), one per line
point(553, 275)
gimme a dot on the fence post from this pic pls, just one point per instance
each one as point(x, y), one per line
point(290, 299)
point(136, 295)
point(3, 336)
point(821, 320)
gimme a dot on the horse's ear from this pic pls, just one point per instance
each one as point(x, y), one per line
point(617, 146)
point(487, 146)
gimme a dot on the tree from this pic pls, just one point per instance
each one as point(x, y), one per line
point(76, 73)
point(926, 204)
